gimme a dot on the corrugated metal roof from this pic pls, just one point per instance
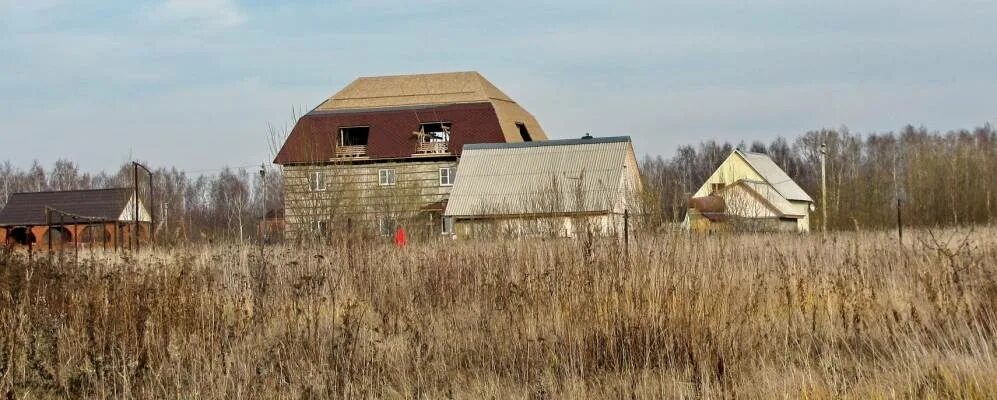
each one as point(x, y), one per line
point(558, 142)
point(775, 176)
point(559, 176)
point(29, 208)
point(772, 196)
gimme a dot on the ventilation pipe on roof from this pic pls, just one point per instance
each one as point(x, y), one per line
point(587, 136)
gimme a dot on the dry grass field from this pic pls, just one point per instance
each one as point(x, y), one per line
point(848, 315)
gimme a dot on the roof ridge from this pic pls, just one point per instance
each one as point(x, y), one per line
point(542, 143)
point(73, 190)
point(420, 74)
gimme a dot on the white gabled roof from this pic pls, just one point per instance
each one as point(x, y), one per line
point(775, 176)
point(544, 177)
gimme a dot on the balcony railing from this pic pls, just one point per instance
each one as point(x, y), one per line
point(351, 151)
point(432, 148)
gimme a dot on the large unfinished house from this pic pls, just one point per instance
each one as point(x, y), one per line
point(383, 152)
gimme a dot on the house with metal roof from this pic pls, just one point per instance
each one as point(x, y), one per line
point(102, 217)
point(382, 153)
point(560, 188)
point(748, 191)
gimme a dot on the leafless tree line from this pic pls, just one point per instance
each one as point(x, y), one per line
point(224, 205)
point(941, 178)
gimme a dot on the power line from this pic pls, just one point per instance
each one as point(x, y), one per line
point(201, 171)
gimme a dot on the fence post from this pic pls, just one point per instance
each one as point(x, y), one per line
point(626, 231)
point(76, 242)
point(900, 223)
point(48, 232)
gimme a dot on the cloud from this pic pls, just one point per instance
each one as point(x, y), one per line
point(213, 13)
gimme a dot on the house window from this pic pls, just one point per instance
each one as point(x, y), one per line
point(354, 136)
point(447, 228)
point(386, 225)
point(435, 132)
point(447, 176)
point(316, 181)
point(386, 177)
point(523, 132)
point(322, 227)
point(716, 187)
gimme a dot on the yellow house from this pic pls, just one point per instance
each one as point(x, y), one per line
point(750, 190)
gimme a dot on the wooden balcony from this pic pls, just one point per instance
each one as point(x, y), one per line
point(351, 151)
point(432, 148)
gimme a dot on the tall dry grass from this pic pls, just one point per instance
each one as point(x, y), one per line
point(852, 315)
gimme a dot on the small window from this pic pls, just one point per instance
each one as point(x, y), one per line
point(354, 136)
point(435, 132)
point(716, 187)
point(523, 132)
point(316, 181)
point(322, 227)
point(447, 228)
point(386, 226)
point(386, 177)
point(447, 176)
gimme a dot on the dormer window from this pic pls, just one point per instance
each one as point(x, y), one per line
point(352, 141)
point(354, 136)
point(435, 132)
point(434, 138)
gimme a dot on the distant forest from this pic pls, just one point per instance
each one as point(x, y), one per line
point(943, 179)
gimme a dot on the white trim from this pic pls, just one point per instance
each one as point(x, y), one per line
point(386, 177)
point(315, 184)
point(450, 175)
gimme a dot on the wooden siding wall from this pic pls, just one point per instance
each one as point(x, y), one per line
point(354, 200)
point(540, 226)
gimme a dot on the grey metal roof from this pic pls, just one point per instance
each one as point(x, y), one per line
point(775, 176)
point(544, 177)
point(541, 143)
point(100, 204)
point(771, 196)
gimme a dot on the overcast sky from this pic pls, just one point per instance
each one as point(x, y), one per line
point(193, 83)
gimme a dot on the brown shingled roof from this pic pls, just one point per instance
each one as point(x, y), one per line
point(394, 106)
point(99, 204)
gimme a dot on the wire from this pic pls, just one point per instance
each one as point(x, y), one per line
point(201, 171)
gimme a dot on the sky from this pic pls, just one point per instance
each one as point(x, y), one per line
point(195, 83)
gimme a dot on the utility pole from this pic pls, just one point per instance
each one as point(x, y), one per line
point(134, 236)
point(166, 218)
point(823, 186)
point(263, 206)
